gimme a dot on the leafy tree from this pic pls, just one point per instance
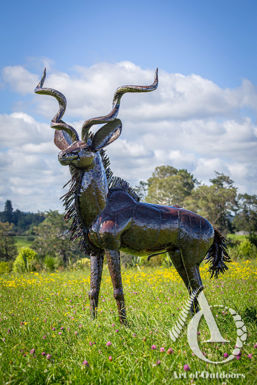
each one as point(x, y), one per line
point(222, 180)
point(216, 202)
point(8, 211)
point(141, 189)
point(7, 214)
point(246, 217)
point(8, 249)
point(169, 186)
point(53, 239)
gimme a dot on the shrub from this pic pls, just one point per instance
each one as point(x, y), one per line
point(19, 264)
point(157, 260)
point(51, 263)
point(5, 267)
point(247, 249)
point(25, 261)
point(129, 260)
point(162, 259)
point(243, 250)
point(82, 264)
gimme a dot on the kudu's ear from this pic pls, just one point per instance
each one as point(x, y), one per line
point(106, 134)
point(62, 139)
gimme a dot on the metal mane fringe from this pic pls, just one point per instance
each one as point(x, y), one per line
point(115, 182)
point(77, 229)
point(72, 212)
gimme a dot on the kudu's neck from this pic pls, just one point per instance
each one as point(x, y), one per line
point(92, 192)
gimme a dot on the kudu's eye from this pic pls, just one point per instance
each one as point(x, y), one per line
point(74, 152)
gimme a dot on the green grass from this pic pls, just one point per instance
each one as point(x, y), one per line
point(22, 241)
point(35, 308)
point(236, 237)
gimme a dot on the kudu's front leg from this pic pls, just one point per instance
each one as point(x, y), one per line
point(113, 260)
point(95, 282)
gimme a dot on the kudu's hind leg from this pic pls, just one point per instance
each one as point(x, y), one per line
point(113, 259)
point(95, 282)
point(189, 273)
point(175, 256)
point(194, 284)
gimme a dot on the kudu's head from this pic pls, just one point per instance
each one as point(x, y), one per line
point(81, 153)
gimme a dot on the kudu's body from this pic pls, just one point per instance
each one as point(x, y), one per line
point(108, 216)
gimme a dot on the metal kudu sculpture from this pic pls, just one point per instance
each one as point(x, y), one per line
point(108, 217)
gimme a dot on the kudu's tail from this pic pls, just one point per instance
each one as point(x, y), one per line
point(217, 255)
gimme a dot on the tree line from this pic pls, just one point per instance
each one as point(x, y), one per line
point(21, 221)
point(50, 242)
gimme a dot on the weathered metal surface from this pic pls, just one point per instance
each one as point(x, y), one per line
point(108, 216)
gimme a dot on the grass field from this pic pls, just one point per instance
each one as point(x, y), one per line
point(236, 237)
point(47, 336)
point(22, 241)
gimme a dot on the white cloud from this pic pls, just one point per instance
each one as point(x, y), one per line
point(45, 148)
point(90, 90)
point(189, 122)
point(19, 79)
point(20, 128)
point(30, 174)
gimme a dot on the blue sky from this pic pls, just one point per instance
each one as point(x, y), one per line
point(215, 41)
